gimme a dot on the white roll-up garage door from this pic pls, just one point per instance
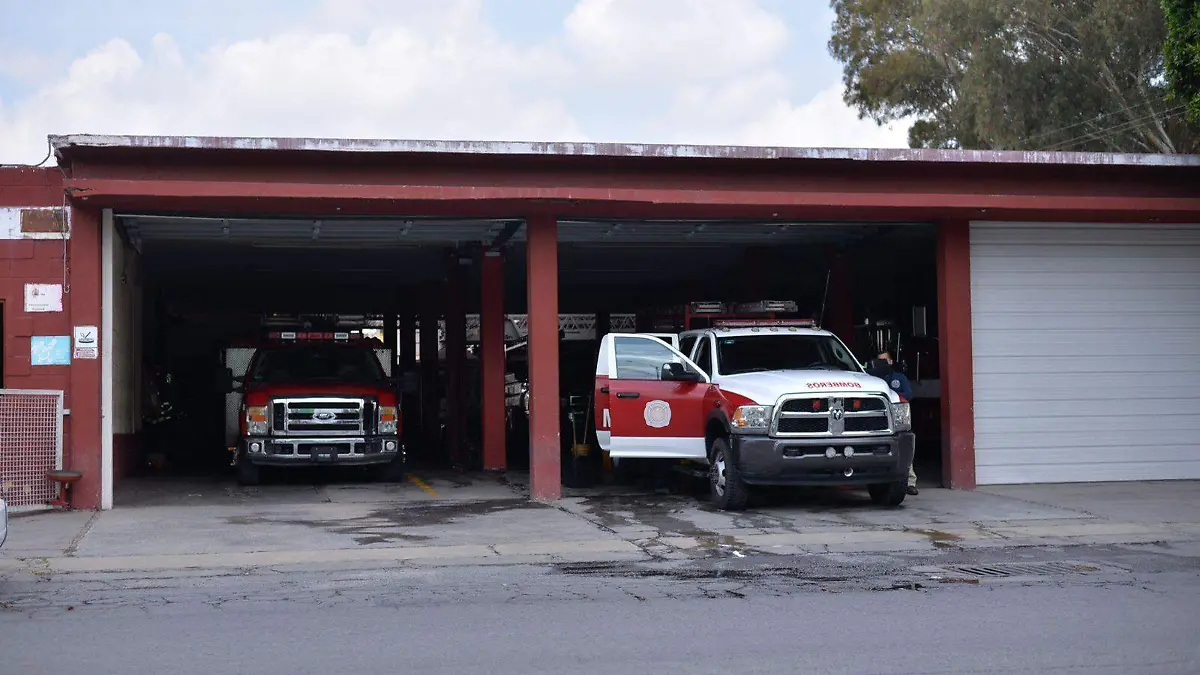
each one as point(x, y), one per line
point(1086, 344)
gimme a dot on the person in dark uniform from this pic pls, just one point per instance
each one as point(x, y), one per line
point(885, 369)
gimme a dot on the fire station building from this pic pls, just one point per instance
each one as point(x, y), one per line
point(1045, 305)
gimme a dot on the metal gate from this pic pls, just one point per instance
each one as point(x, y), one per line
point(31, 444)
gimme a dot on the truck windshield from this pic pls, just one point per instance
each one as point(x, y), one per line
point(306, 363)
point(757, 353)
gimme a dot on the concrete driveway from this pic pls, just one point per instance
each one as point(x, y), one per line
point(446, 518)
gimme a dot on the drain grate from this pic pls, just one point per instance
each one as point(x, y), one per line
point(1025, 569)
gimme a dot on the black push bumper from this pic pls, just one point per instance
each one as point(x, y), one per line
point(801, 461)
point(358, 451)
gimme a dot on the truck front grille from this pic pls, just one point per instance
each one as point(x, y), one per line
point(852, 404)
point(319, 416)
point(876, 423)
point(803, 425)
point(831, 416)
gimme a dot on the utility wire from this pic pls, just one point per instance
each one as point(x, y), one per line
point(1102, 134)
point(1052, 132)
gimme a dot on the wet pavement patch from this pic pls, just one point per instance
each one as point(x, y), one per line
point(938, 538)
point(658, 513)
point(425, 514)
point(365, 530)
point(386, 525)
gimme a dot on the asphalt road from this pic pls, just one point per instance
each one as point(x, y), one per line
point(813, 614)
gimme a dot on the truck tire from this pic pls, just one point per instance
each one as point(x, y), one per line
point(888, 494)
point(726, 487)
point(247, 473)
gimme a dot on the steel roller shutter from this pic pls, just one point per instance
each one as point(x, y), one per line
point(1086, 344)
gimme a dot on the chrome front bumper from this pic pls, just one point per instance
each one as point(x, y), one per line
point(306, 451)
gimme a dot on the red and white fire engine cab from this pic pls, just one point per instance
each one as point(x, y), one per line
point(312, 398)
point(760, 402)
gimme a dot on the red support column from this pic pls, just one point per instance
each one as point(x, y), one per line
point(839, 300)
point(431, 395)
point(456, 362)
point(954, 354)
point(83, 424)
point(544, 424)
point(491, 356)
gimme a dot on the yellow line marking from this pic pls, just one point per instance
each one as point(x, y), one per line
point(423, 485)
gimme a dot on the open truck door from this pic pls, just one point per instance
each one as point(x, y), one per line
point(649, 399)
point(669, 338)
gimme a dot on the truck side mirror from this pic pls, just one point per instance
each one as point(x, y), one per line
point(675, 372)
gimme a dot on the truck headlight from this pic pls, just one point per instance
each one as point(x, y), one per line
point(902, 414)
point(257, 423)
point(751, 419)
point(389, 419)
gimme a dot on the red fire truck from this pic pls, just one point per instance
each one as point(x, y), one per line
point(313, 398)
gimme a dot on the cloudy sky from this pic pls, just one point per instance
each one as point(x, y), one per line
point(753, 72)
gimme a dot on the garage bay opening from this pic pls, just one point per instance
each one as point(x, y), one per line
point(270, 349)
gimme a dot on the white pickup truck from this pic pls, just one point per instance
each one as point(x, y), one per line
point(761, 403)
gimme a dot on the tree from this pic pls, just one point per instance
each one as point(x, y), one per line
point(1182, 52)
point(1080, 75)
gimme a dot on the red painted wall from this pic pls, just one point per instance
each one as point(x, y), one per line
point(84, 395)
point(954, 345)
point(23, 261)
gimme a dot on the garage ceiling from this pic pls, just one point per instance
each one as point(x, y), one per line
point(403, 233)
point(713, 233)
point(311, 233)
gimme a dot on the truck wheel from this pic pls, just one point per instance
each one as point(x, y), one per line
point(247, 473)
point(888, 494)
point(729, 492)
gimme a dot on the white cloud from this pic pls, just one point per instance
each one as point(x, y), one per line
point(674, 40)
point(824, 121)
point(447, 76)
point(436, 69)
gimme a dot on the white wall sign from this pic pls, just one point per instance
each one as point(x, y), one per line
point(43, 298)
point(87, 342)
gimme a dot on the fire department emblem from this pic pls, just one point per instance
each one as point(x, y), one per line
point(658, 414)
